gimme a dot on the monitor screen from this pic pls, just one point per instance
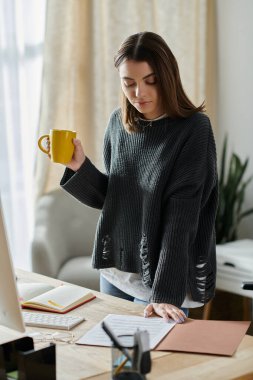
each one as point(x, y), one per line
point(10, 311)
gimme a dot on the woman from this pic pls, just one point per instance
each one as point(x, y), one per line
point(155, 239)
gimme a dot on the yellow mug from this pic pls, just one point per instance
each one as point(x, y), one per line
point(61, 145)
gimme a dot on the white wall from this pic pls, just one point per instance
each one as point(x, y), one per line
point(235, 87)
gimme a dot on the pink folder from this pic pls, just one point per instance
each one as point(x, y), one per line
point(207, 337)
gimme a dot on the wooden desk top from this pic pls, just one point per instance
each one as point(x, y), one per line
point(76, 362)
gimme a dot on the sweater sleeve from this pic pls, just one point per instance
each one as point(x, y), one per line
point(189, 198)
point(88, 184)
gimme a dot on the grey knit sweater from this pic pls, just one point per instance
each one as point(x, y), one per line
point(158, 199)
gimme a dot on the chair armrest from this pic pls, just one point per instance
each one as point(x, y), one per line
point(48, 254)
point(64, 228)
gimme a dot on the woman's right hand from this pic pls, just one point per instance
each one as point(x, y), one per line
point(78, 157)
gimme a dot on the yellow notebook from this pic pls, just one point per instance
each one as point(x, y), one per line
point(61, 299)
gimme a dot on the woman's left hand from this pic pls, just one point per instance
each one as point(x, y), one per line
point(166, 311)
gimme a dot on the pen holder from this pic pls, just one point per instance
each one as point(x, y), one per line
point(124, 368)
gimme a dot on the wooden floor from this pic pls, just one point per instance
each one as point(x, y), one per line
point(225, 306)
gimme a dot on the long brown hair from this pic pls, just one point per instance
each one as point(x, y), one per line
point(151, 48)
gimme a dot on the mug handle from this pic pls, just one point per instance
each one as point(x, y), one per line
point(40, 144)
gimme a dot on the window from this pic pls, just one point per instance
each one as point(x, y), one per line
point(22, 27)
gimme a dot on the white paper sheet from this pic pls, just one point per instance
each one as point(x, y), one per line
point(127, 325)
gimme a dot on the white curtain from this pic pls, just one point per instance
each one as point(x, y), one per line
point(22, 24)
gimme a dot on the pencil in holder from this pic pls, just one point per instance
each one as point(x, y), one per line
point(124, 362)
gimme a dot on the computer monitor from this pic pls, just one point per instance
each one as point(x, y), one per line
point(10, 311)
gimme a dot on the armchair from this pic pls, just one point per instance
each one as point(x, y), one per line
point(63, 239)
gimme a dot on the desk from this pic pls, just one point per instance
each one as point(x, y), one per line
point(93, 363)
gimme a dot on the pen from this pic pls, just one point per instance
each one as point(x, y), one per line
point(115, 340)
point(120, 366)
point(54, 304)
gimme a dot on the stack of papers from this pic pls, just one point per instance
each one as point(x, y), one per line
point(127, 325)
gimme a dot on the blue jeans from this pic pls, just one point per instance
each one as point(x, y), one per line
point(107, 288)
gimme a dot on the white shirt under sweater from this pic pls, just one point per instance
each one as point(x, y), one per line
point(133, 282)
point(135, 288)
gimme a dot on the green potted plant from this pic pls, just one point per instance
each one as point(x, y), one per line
point(232, 187)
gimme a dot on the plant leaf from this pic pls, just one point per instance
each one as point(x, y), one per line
point(232, 190)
